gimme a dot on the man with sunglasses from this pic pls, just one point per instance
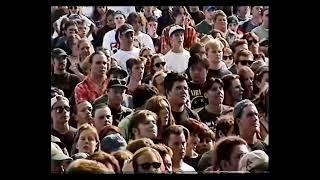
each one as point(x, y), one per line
point(60, 115)
point(60, 77)
point(247, 125)
point(243, 58)
point(125, 36)
point(179, 13)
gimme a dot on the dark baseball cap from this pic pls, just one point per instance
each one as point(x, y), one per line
point(211, 8)
point(117, 82)
point(232, 19)
point(57, 53)
point(123, 29)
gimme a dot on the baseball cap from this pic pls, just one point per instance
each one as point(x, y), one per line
point(57, 154)
point(123, 29)
point(238, 108)
point(113, 142)
point(58, 52)
point(117, 82)
point(117, 72)
point(232, 19)
point(254, 161)
point(58, 98)
point(211, 8)
point(174, 29)
point(119, 12)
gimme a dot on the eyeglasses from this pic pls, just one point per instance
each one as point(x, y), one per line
point(246, 62)
point(227, 57)
point(72, 7)
point(60, 109)
point(160, 63)
point(147, 166)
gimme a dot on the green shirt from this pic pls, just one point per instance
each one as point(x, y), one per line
point(204, 28)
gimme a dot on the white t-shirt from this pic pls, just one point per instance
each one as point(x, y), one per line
point(126, 10)
point(187, 169)
point(122, 56)
point(109, 40)
point(145, 41)
point(177, 62)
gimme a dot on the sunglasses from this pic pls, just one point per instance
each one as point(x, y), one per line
point(160, 63)
point(227, 57)
point(147, 166)
point(246, 62)
point(60, 109)
point(72, 7)
point(115, 81)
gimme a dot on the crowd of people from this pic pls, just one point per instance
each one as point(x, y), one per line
point(159, 89)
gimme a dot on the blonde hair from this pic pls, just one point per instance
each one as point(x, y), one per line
point(214, 44)
point(82, 128)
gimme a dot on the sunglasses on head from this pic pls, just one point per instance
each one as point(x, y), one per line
point(60, 109)
point(227, 57)
point(160, 63)
point(246, 62)
point(147, 166)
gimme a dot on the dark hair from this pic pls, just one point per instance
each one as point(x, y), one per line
point(227, 81)
point(152, 19)
point(163, 150)
point(171, 78)
point(98, 106)
point(209, 82)
point(214, 33)
point(175, 129)
point(70, 23)
point(250, 35)
point(243, 52)
point(137, 144)
point(195, 48)
point(224, 124)
point(139, 117)
point(225, 146)
point(263, 10)
point(142, 93)
point(176, 10)
point(96, 15)
point(121, 156)
point(106, 159)
point(131, 17)
point(195, 60)
point(236, 43)
point(133, 61)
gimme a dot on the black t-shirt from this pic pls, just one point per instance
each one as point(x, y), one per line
point(210, 119)
point(66, 82)
point(197, 16)
point(182, 117)
point(192, 161)
point(164, 21)
point(98, 37)
point(233, 69)
point(67, 139)
point(196, 96)
point(157, 44)
point(217, 73)
point(118, 115)
point(260, 145)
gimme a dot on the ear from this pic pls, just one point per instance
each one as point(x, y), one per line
point(135, 131)
point(205, 95)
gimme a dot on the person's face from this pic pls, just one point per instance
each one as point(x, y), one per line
point(245, 61)
point(102, 118)
point(159, 64)
point(181, 17)
point(110, 21)
point(236, 90)
point(71, 30)
point(214, 55)
point(84, 49)
point(221, 23)
point(202, 53)
point(178, 93)
point(229, 133)
point(119, 20)
point(164, 113)
point(127, 38)
point(256, 11)
point(215, 95)
point(148, 163)
point(160, 84)
point(84, 112)
point(249, 120)
point(87, 142)
point(253, 46)
point(147, 129)
point(137, 71)
point(60, 63)
point(178, 145)
point(265, 17)
point(148, 10)
point(99, 64)
point(147, 54)
point(82, 30)
point(60, 112)
point(74, 9)
point(248, 81)
point(101, 9)
point(235, 156)
point(205, 144)
point(209, 14)
point(244, 10)
point(241, 47)
point(198, 73)
point(233, 26)
point(167, 161)
point(177, 38)
point(137, 24)
point(193, 141)
point(115, 95)
point(152, 27)
point(228, 58)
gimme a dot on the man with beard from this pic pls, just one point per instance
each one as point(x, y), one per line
point(83, 113)
point(95, 84)
point(60, 115)
point(176, 137)
point(60, 77)
point(232, 90)
point(176, 88)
